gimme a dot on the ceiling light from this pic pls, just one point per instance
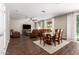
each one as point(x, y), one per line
point(57, 3)
point(43, 11)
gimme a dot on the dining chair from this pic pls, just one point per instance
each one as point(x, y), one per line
point(41, 36)
point(61, 34)
point(47, 39)
point(58, 36)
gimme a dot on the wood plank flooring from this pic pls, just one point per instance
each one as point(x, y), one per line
point(25, 46)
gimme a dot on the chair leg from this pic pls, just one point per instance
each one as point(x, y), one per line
point(58, 42)
point(40, 41)
point(54, 43)
point(61, 40)
point(44, 44)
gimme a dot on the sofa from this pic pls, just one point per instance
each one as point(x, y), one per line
point(14, 34)
point(36, 32)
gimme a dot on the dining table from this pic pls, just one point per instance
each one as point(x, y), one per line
point(51, 34)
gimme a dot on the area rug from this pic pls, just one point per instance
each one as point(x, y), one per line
point(51, 48)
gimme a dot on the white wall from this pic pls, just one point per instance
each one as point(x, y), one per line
point(7, 28)
point(60, 22)
point(71, 26)
point(4, 28)
point(16, 24)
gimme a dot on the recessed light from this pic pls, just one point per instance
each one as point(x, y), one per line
point(57, 3)
point(43, 11)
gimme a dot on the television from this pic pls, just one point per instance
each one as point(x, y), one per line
point(26, 26)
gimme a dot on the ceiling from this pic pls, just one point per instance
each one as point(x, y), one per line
point(40, 10)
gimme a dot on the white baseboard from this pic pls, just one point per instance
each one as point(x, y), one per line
point(5, 49)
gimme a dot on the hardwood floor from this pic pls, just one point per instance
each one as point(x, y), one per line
point(25, 46)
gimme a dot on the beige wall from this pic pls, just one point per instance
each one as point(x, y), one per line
point(61, 23)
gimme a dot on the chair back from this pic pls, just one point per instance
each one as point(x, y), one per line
point(57, 34)
point(61, 33)
point(48, 35)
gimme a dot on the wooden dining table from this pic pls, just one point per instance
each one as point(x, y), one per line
point(51, 34)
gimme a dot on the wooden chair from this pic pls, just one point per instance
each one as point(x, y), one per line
point(61, 34)
point(41, 36)
point(58, 36)
point(47, 39)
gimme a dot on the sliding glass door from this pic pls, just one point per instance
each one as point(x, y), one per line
point(78, 27)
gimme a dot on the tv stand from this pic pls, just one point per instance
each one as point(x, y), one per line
point(26, 32)
point(26, 29)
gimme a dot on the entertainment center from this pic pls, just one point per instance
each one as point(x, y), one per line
point(26, 29)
